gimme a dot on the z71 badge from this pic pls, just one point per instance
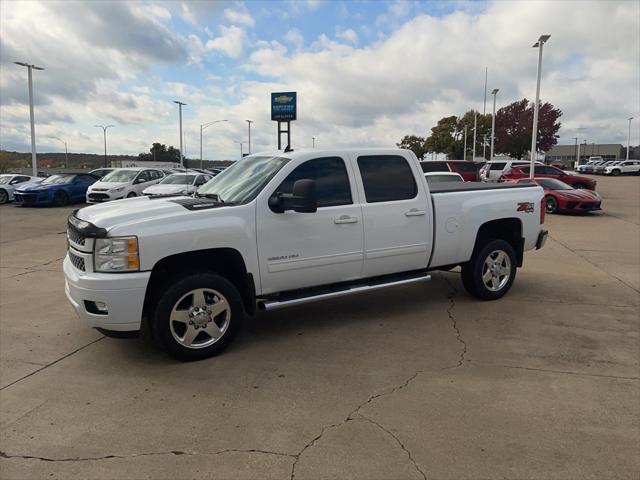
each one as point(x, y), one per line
point(527, 207)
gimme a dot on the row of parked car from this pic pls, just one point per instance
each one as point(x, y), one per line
point(611, 167)
point(101, 185)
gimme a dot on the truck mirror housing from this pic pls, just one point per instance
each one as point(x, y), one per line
point(302, 200)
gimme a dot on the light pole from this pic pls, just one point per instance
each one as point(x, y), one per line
point(34, 161)
point(464, 153)
point(180, 104)
point(66, 154)
point(494, 92)
point(104, 132)
point(313, 142)
point(249, 122)
point(475, 127)
point(629, 137)
point(202, 127)
point(539, 44)
point(241, 143)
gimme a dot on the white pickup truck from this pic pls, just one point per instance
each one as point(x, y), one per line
point(286, 228)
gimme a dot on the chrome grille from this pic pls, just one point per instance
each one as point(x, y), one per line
point(76, 261)
point(75, 236)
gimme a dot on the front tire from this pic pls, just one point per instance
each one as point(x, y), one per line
point(491, 271)
point(615, 173)
point(60, 199)
point(552, 204)
point(197, 316)
point(4, 196)
point(131, 195)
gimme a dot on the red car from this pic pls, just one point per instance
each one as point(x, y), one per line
point(547, 171)
point(561, 197)
point(469, 171)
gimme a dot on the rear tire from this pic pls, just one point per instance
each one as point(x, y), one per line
point(197, 316)
point(491, 271)
point(131, 195)
point(60, 198)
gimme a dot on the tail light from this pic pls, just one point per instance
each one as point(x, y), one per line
point(543, 209)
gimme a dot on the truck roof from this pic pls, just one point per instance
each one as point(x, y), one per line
point(306, 151)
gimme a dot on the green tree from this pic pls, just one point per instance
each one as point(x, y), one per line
point(513, 128)
point(448, 135)
point(160, 153)
point(413, 143)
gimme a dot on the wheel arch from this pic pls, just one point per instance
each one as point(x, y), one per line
point(508, 229)
point(227, 262)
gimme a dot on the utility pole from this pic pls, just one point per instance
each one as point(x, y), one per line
point(486, 73)
point(241, 153)
point(34, 160)
point(539, 44)
point(180, 104)
point(249, 122)
point(202, 127)
point(66, 153)
point(104, 133)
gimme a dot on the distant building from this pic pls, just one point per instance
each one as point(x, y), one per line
point(567, 154)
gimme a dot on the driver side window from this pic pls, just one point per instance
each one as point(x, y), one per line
point(143, 177)
point(330, 175)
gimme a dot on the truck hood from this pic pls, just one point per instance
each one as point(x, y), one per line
point(130, 210)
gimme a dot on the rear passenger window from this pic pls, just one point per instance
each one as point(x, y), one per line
point(330, 175)
point(434, 167)
point(497, 166)
point(386, 178)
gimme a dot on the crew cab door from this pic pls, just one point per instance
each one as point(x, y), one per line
point(397, 215)
point(298, 250)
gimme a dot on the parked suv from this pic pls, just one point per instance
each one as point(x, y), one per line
point(123, 183)
point(547, 171)
point(628, 167)
point(493, 169)
point(467, 170)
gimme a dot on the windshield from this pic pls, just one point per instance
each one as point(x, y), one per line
point(57, 179)
point(178, 180)
point(4, 179)
point(553, 184)
point(242, 181)
point(120, 176)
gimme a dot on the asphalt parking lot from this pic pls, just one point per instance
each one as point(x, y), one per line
point(411, 382)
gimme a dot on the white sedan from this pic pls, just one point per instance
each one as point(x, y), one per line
point(440, 177)
point(123, 183)
point(177, 184)
point(9, 182)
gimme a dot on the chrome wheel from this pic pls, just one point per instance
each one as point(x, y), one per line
point(496, 270)
point(200, 318)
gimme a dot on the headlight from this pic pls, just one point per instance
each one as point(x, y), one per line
point(117, 254)
point(117, 189)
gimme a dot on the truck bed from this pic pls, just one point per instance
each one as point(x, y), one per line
point(450, 187)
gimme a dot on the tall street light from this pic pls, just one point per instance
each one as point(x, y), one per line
point(104, 132)
point(202, 127)
point(249, 122)
point(494, 92)
point(313, 142)
point(180, 104)
point(464, 153)
point(34, 161)
point(539, 45)
point(241, 143)
point(66, 153)
point(475, 127)
point(629, 137)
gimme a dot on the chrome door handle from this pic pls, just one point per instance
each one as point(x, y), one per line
point(345, 219)
point(414, 212)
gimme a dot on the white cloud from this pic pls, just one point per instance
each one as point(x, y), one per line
point(240, 15)
point(230, 42)
point(347, 35)
point(294, 38)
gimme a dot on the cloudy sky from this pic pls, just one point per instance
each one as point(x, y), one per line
point(366, 73)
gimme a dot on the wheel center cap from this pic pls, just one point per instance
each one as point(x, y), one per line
point(200, 317)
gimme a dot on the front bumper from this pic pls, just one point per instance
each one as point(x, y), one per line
point(542, 239)
point(31, 198)
point(122, 293)
point(101, 197)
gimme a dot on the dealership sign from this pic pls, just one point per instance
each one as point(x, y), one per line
point(283, 106)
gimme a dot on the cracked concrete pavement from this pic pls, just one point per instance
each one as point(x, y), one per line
point(412, 382)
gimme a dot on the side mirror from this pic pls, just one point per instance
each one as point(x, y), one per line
point(302, 200)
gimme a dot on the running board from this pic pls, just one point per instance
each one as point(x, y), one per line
point(275, 304)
